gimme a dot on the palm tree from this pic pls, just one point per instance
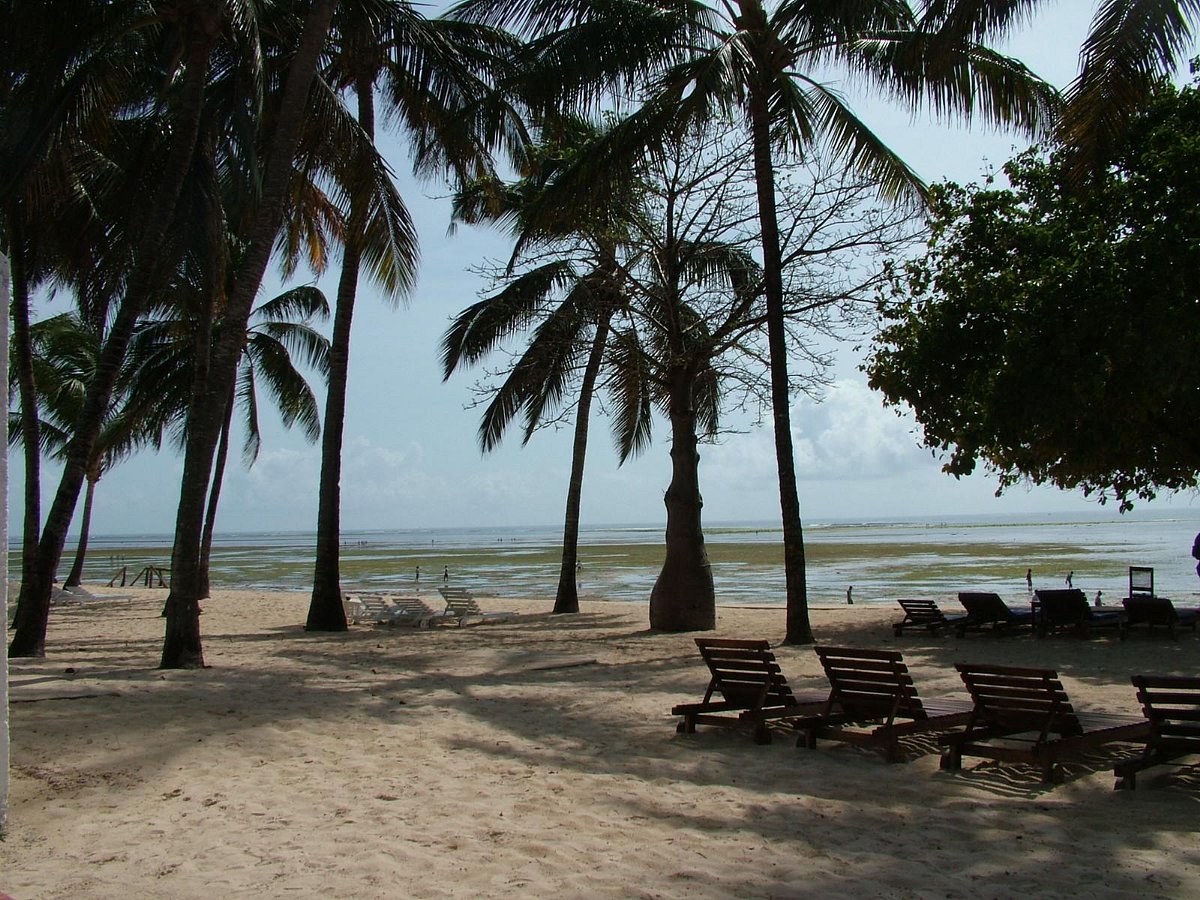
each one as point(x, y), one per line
point(761, 65)
point(659, 298)
point(161, 54)
point(181, 644)
point(65, 352)
point(430, 74)
point(43, 169)
point(572, 299)
point(280, 332)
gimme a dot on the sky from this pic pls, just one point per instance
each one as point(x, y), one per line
point(411, 456)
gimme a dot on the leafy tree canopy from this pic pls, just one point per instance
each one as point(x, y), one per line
point(1052, 335)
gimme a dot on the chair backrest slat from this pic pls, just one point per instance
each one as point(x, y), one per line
point(870, 683)
point(1015, 699)
point(1172, 704)
point(745, 672)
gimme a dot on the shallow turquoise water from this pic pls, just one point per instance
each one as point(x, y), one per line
point(880, 560)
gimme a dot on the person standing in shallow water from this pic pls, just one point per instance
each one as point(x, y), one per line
point(1029, 579)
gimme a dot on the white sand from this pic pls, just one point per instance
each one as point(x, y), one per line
point(538, 759)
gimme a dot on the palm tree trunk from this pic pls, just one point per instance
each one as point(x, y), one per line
point(214, 498)
point(325, 610)
point(799, 630)
point(29, 636)
point(567, 598)
point(181, 644)
point(684, 598)
point(22, 356)
point(75, 577)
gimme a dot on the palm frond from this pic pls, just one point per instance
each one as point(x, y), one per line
point(629, 387)
point(484, 325)
point(1131, 46)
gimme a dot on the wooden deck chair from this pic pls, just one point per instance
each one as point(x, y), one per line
point(873, 703)
point(1156, 612)
point(987, 609)
point(461, 609)
point(747, 690)
point(1023, 715)
point(1068, 610)
point(923, 614)
point(1172, 706)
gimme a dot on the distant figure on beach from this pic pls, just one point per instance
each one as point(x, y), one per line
point(1070, 577)
point(417, 577)
point(1029, 579)
point(1196, 552)
point(446, 573)
point(1098, 593)
point(850, 595)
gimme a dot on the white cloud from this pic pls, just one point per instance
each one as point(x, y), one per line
point(848, 435)
point(851, 435)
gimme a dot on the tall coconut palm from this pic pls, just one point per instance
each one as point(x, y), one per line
point(763, 65)
point(572, 302)
point(65, 353)
point(47, 169)
point(280, 333)
point(430, 75)
point(168, 46)
point(181, 644)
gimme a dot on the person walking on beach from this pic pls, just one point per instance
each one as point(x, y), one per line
point(1196, 552)
point(1029, 579)
point(1070, 578)
point(446, 574)
point(417, 577)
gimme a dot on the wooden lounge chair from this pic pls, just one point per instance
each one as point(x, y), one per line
point(987, 609)
point(873, 703)
point(746, 691)
point(1172, 706)
point(461, 609)
point(1024, 715)
point(923, 614)
point(1068, 610)
point(1156, 612)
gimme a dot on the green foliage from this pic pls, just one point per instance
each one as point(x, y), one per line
point(1050, 333)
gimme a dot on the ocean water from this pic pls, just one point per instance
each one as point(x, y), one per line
point(879, 560)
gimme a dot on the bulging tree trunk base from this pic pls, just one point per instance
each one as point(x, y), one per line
point(684, 598)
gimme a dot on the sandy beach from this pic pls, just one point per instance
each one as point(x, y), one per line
point(538, 758)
